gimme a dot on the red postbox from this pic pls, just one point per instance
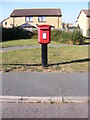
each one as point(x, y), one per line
point(44, 34)
point(44, 37)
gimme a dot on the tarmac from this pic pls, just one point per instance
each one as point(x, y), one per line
point(44, 87)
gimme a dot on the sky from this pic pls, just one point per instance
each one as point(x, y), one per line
point(70, 10)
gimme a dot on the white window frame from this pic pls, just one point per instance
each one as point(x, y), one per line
point(41, 19)
point(29, 18)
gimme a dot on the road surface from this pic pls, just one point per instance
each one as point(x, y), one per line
point(34, 110)
point(44, 84)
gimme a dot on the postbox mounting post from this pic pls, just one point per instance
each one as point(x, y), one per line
point(44, 54)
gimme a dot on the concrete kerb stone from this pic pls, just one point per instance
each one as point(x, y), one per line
point(10, 98)
point(34, 99)
point(75, 99)
point(23, 99)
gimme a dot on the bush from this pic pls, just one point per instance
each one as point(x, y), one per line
point(88, 33)
point(35, 36)
point(15, 34)
point(66, 37)
point(75, 37)
point(56, 35)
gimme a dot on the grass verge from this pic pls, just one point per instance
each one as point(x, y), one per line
point(65, 58)
point(22, 42)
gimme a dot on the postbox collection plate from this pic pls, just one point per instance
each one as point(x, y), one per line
point(44, 35)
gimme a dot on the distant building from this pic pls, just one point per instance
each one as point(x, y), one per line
point(83, 22)
point(67, 25)
point(33, 17)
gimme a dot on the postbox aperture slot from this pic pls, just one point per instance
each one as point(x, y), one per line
point(44, 35)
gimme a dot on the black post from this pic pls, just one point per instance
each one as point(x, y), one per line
point(44, 54)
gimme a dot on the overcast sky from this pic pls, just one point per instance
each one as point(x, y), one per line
point(70, 10)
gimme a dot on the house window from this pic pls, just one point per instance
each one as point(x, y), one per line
point(5, 23)
point(29, 19)
point(42, 19)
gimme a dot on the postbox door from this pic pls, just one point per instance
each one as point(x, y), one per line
point(45, 36)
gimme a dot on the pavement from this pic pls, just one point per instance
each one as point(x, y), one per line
point(44, 87)
point(32, 47)
point(19, 48)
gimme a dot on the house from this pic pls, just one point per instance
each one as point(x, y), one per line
point(83, 22)
point(33, 17)
point(7, 23)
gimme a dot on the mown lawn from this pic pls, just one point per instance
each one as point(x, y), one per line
point(55, 55)
point(23, 42)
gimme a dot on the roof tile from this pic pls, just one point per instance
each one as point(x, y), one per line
point(36, 12)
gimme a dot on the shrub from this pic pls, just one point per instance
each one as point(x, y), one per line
point(66, 37)
point(35, 36)
point(56, 35)
point(77, 37)
point(88, 33)
point(70, 37)
point(15, 34)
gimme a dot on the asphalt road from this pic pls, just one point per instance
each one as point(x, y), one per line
point(34, 110)
point(44, 84)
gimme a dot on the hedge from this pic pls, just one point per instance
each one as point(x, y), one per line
point(15, 34)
